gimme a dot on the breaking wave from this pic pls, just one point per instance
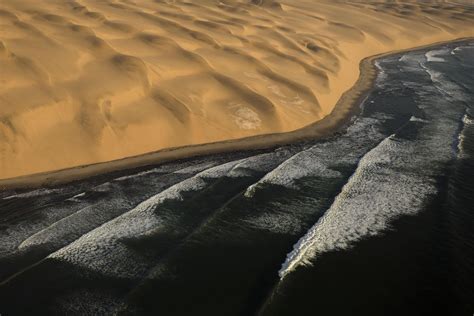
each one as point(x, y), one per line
point(468, 123)
point(395, 178)
point(318, 160)
point(432, 55)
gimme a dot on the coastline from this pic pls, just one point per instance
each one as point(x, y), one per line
point(346, 107)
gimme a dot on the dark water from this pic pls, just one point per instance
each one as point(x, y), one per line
point(376, 220)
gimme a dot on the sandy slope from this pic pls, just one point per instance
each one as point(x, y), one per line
point(85, 81)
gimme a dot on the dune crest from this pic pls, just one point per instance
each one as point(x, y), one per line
point(89, 81)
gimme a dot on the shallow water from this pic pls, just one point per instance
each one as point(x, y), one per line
point(377, 219)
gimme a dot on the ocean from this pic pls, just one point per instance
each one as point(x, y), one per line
point(377, 219)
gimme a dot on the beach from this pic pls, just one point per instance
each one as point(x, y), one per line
point(373, 219)
point(175, 81)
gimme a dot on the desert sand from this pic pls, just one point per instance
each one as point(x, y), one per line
point(91, 81)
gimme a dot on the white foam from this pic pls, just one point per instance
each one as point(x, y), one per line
point(316, 160)
point(102, 250)
point(455, 50)
point(381, 74)
point(77, 197)
point(403, 58)
point(461, 139)
point(259, 163)
point(411, 59)
point(467, 123)
point(34, 193)
point(61, 224)
point(110, 206)
point(14, 234)
point(417, 119)
point(302, 164)
point(467, 120)
point(410, 63)
point(193, 168)
point(63, 230)
point(444, 85)
point(432, 55)
point(393, 179)
point(179, 167)
point(136, 175)
point(435, 76)
point(72, 226)
point(373, 196)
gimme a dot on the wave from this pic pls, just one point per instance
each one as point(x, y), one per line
point(455, 50)
point(78, 196)
point(467, 120)
point(318, 159)
point(418, 119)
point(300, 165)
point(73, 226)
point(410, 62)
point(259, 163)
point(34, 193)
point(468, 123)
point(103, 250)
point(12, 236)
point(176, 167)
point(395, 178)
point(193, 168)
point(447, 87)
point(43, 215)
point(432, 55)
point(161, 169)
point(381, 74)
point(116, 200)
point(435, 76)
point(373, 196)
point(461, 48)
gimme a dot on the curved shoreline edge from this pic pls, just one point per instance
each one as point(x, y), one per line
point(346, 107)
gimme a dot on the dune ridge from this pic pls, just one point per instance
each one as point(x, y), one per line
point(86, 82)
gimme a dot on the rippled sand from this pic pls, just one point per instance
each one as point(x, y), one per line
point(90, 81)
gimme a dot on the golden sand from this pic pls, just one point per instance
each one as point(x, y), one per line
point(89, 81)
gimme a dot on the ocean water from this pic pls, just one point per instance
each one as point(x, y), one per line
point(377, 219)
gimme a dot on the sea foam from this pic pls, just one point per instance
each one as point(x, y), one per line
point(102, 249)
point(395, 178)
point(432, 55)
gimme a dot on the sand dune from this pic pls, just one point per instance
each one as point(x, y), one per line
point(89, 81)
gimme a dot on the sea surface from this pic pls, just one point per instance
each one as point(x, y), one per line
point(377, 219)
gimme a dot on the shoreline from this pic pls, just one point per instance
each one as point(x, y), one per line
point(346, 107)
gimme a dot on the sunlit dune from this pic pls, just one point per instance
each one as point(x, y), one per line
point(90, 81)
